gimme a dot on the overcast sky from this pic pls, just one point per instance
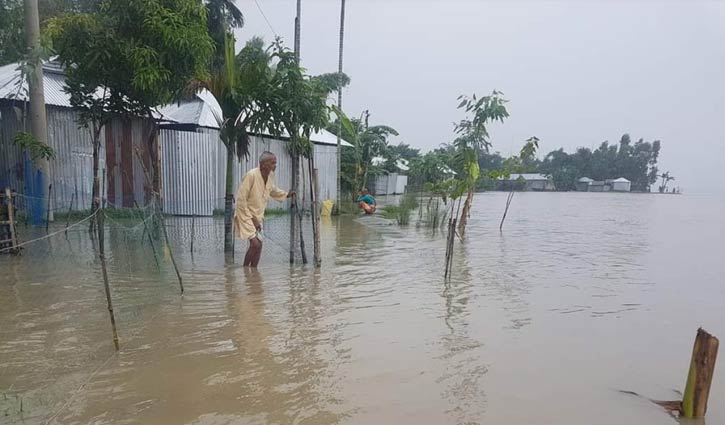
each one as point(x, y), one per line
point(576, 72)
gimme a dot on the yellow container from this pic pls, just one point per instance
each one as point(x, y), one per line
point(326, 210)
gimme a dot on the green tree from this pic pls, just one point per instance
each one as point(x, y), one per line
point(367, 143)
point(560, 166)
point(12, 27)
point(636, 162)
point(472, 138)
point(12, 33)
point(127, 58)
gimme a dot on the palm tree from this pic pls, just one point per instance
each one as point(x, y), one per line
point(666, 178)
point(222, 16)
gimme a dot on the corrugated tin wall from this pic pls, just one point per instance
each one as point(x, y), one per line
point(124, 140)
point(257, 146)
point(193, 164)
point(11, 164)
point(325, 161)
point(189, 178)
point(72, 168)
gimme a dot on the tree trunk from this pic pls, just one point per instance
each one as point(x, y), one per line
point(229, 202)
point(38, 118)
point(699, 378)
point(465, 213)
point(314, 202)
point(293, 222)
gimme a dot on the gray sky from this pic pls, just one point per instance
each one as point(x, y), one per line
point(576, 72)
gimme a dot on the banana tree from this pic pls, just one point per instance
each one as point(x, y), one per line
point(367, 143)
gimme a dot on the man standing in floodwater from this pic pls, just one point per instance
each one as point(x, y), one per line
point(252, 196)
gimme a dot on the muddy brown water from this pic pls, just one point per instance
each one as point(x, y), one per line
point(582, 295)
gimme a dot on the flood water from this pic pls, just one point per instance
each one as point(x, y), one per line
point(581, 296)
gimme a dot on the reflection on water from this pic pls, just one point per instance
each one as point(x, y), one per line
point(580, 296)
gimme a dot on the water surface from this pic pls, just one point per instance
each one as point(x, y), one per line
point(581, 296)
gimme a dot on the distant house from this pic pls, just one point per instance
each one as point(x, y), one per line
point(597, 186)
point(389, 183)
point(611, 185)
point(529, 181)
point(620, 185)
point(582, 185)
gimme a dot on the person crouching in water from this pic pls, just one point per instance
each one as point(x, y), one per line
point(252, 196)
point(367, 202)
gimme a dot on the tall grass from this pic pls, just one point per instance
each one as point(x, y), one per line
point(401, 212)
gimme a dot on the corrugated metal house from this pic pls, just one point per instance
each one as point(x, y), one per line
point(71, 170)
point(620, 185)
point(531, 182)
point(582, 185)
point(193, 163)
point(389, 183)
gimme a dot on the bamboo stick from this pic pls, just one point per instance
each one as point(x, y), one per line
point(171, 252)
point(193, 218)
point(47, 210)
point(102, 256)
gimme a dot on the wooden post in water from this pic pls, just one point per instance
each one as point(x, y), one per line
point(47, 211)
point(11, 224)
point(102, 256)
point(699, 378)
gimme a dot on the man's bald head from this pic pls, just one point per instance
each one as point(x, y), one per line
point(267, 162)
point(266, 156)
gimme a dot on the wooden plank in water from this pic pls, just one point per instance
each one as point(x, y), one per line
point(699, 378)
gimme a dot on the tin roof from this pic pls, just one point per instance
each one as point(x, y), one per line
point(11, 86)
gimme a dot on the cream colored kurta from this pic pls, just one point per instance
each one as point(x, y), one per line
point(252, 197)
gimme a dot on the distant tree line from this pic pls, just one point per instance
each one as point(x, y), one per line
point(637, 162)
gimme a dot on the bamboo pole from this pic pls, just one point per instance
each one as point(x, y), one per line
point(102, 256)
point(193, 218)
point(505, 212)
point(151, 240)
point(171, 253)
point(302, 239)
point(70, 210)
point(103, 188)
point(699, 377)
point(11, 220)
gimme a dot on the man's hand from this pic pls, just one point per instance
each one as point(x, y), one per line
point(257, 224)
point(291, 194)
